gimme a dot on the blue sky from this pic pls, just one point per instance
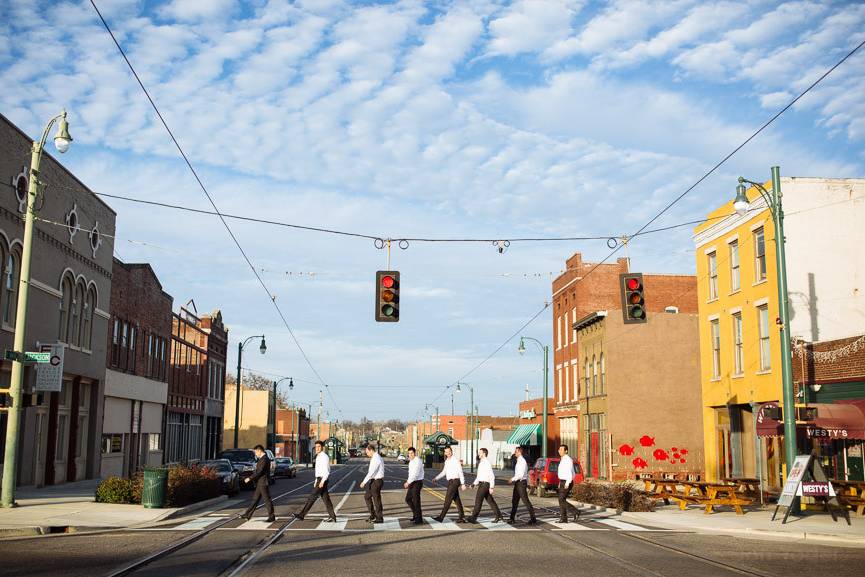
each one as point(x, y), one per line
point(411, 119)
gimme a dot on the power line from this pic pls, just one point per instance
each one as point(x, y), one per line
point(212, 203)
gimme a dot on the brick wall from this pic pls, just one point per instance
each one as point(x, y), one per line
point(850, 367)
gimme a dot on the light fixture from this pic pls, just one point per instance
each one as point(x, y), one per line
point(290, 384)
point(263, 347)
point(741, 203)
point(458, 388)
point(62, 140)
point(522, 348)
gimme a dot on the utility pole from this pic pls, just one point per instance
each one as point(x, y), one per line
point(320, 407)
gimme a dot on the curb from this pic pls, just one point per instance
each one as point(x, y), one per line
point(174, 513)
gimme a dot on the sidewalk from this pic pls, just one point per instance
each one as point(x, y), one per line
point(811, 526)
point(71, 507)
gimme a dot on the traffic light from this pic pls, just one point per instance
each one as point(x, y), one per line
point(633, 300)
point(387, 296)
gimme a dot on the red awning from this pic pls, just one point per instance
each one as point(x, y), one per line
point(767, 427)
point(840, 420)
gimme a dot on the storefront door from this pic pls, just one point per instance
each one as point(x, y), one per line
point(596, 457)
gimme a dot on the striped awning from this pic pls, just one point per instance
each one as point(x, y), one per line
point(526, 435)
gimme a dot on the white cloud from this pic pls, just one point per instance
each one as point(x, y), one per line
point(196, 10)
point(531, 25)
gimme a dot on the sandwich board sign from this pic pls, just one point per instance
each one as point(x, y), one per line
point(818, 487)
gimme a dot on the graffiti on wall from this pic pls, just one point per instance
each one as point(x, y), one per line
point(645, 454)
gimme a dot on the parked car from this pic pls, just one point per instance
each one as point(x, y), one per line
point(544, 478)
point(285, 467)
point(402, 459)
point(227, 474)
point(243, 461)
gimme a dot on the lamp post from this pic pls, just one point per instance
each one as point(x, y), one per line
point(773, 200)
point(546, 350)
point(472, 429)
point(276, 384)
point(263, 349)
point(62, 141)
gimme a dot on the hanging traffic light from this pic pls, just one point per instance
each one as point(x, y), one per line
point(633, 300)
point(387, 296)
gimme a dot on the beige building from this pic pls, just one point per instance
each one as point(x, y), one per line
point(640, 394)
point(255, 418)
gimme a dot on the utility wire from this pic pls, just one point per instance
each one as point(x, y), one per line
point(212, 203)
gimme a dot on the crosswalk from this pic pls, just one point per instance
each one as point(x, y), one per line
point(358, 523)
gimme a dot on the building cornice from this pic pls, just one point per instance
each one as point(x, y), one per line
point(725, 226)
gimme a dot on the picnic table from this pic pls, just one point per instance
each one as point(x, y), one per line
point(705, 494)
point(851, 494)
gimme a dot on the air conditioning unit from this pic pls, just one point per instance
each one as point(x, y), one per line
point(672, 310)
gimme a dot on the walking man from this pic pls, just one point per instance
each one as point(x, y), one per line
point(485, 481)
point(414, 484)
point(520, 483)
point(262, 491)
point(373, 482)
point(453, 472)
point(319, 488)
point(566, 477)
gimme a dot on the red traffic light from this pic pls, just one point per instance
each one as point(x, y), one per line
point(387, 296)
point(633, 297)
point(633, 284)
point(387, 281)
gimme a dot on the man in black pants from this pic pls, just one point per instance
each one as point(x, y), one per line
point(520, 483)
point(373, 482)
point(414, 484)
point(485, 481)
point(566, 478)
point(260, 478)
point(453, 471)
point(319, 488)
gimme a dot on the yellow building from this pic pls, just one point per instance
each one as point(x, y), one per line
point(739, 343)
point(255, 418)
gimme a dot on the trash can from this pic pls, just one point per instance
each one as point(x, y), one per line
point(154, 489)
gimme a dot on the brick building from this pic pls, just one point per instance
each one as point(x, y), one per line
point(532, 413)
point(61, 428)
point(292, 434)
point(136, 387)
point(184, 421)
point(216, 336)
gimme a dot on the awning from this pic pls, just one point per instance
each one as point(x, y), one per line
point(767, 427)
point(839, 420)
point(526, 435)
point(439, 439)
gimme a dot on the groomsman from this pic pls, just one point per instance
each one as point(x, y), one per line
point(485, 481)
point(262, 468)
point(414, 484)
point(566, 477)
point(319, 488)
point(373, 482)
point(453, 472)
point(520, 482)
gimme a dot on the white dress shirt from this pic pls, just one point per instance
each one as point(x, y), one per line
point(415, 470)
point(485, 473)
point(376, 468)
point(521, 470)
point(566, 470)
point(453, 469)
point(322, 466)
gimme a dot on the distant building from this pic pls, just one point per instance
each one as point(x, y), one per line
point(528, 434)
point(255, 417)
point(61, 430)
point(292, 434)
point(214, 402)
point(184, 422)
point(136, 381)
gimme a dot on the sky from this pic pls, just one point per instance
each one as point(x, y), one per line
point(410, 119)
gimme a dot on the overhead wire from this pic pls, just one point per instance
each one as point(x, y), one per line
point(212, 202)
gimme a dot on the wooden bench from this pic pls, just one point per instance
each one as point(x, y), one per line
point(851, 494)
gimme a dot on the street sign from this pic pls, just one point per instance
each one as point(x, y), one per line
point(49, 374)
point(28, 357)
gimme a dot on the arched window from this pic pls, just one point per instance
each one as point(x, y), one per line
point(594, 375)
point(586, 373)
point(10, 288)
point(603, 375)
point(87, 330)
point(65, 308)
point(77, 313)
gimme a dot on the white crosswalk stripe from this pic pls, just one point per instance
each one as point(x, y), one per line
point(615, 523)
point(446, 525)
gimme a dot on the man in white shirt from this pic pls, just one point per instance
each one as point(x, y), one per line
point(453, 471)
point(373, 482)
point(485, 481)
point(319, 488)
point(566, 477)
point(414, 484)
point(520, 483)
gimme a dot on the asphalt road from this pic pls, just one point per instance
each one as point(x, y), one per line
point(597, 545)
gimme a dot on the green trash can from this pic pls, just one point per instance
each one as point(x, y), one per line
point(154, 489)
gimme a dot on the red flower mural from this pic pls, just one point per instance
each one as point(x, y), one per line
point(626, 450)
point(647, 441)
point(660, 455)
point(684, 451)
point(681, 460)
point(639, 463)
point(676, 455)
point(674, 449)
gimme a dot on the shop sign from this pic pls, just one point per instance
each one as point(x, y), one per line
point(828, 433)
point(816, 489)
point(530, 414)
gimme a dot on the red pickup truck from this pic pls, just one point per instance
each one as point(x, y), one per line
point(543, 476)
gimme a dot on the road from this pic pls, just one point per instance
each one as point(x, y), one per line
point(597, 545)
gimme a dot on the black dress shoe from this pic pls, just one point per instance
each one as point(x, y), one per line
point(378, 520)
point(271, 519)
point(331, 519)
point(471, 520)
point(297, 516)
point(498, 519)
point(565, 520)
point(246, 517)
point(462, 520)
point(417, 522)
point(439, 519)
point(533, 521)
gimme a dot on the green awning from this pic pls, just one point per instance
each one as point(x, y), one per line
point(439, 439)
point(526, 435)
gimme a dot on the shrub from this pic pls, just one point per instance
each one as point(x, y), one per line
point(115, 490)
point(188, 485)
point(622, 496)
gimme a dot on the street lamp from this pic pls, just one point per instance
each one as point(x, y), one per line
point(546, 350)
point(262, 349)
point(773, 201)
point(472, 429)
point(275, 384)
point(62, 140)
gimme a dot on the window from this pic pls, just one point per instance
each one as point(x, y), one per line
point(112, 444)
point(559, 375)
point(89, 307)
point(11, 279)
point(65, 309)
point(567, 384)
point(586, 374)
point(716, 348)
point(759, 255)
point(765, 351)
point(735, 277)
point(574, 331)
point(81, 446)
point(738, 349)
point(594, 376)
point(62, 421)
point(603, 375)
point(124, 344)
point(713, 276)
point(77, 313)
point(115, 343)
point(576, 394)
point(559, 336)
point(153, 442)
point(132, 335)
